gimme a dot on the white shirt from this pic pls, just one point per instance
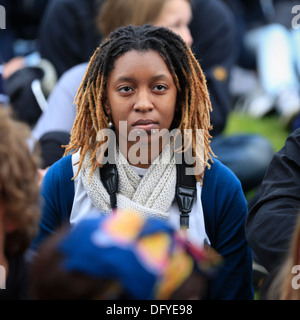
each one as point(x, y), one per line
point(84, 208)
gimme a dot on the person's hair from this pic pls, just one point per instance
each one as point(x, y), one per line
point(135, 12)
point(19, 182)
point(49, 281)
point(192, 97)
point(281, 287)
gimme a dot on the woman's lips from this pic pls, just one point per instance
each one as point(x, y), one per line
point(146, 125)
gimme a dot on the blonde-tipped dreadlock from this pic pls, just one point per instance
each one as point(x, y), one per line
point(187, 74)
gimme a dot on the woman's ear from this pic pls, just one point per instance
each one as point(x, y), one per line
point(178, 105)
point(106, 106)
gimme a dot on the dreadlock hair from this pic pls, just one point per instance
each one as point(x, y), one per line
point(192, 98)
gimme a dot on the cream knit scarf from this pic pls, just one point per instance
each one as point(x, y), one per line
point(151, 195)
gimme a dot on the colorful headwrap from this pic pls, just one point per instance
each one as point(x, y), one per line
point(147, 257)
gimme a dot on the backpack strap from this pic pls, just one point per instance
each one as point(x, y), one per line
point(109, 177)
point(109, 174)
point(185, 193)
point(185, 189)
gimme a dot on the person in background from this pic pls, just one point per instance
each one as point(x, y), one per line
point(68, 35)
point(19, 37)
point(4, 98)
point(121, 256)
point(269, 45)
point(272, 218)
point(28, 78)
point(19, 205)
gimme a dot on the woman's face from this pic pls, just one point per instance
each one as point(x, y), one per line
point(141, 93)
point(176, 15)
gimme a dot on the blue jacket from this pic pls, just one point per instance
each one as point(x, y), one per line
point(224, 208)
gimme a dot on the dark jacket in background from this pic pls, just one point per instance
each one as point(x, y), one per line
point(17, 281)
point(68, 35)
point(214, 32)
point(271, 221)
point(22, 20)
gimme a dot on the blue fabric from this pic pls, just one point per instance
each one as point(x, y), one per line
point(140, 254)
point(224, 208)
point(296, 123)
point(104, 263)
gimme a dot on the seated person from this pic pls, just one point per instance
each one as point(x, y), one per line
point(19, 210)
point(271, 220)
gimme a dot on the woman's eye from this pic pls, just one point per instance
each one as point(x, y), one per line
point(160, 87)
point(125, 89)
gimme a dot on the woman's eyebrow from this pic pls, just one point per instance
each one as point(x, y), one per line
point(132, 78)
point(161, 77)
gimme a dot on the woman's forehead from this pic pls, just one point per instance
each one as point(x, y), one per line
point(134, 61)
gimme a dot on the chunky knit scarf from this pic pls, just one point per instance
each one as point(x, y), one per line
point(151, 195)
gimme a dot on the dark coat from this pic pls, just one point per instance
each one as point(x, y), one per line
point(271, 220)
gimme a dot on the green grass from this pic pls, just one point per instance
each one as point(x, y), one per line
point(269, 127)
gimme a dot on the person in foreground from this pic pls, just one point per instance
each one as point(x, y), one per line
point(285, 283)
point(19, 205)
point(142, 91)
point(122, 256)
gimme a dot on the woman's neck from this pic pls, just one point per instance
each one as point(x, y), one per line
point(141, 155)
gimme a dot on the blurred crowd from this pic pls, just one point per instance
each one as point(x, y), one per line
point(249, 51)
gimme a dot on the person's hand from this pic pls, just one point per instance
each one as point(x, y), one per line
point(42, 173)
point(12, 66)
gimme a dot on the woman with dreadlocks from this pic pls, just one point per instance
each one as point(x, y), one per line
point(142, 81)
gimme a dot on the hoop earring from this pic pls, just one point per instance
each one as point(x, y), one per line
point(111, 126)
point(110, 121)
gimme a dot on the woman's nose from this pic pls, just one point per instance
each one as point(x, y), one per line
point(143, 101)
